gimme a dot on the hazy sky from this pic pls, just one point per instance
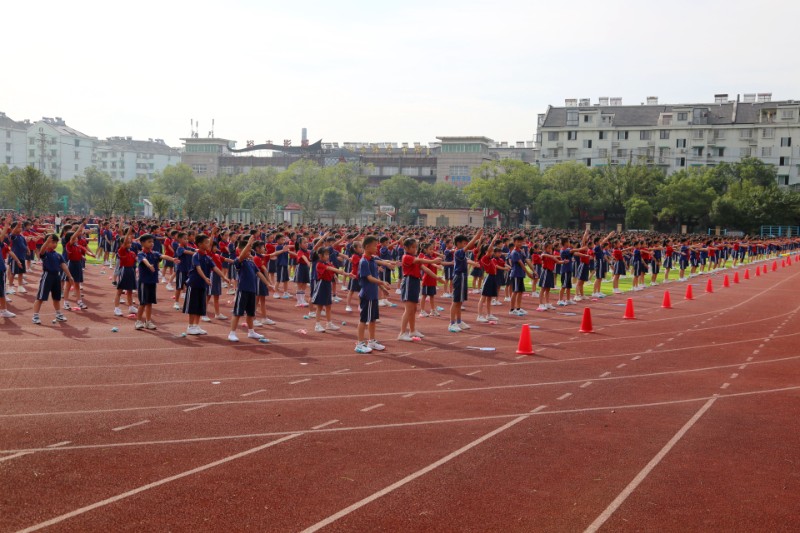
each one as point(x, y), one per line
point(377, 71)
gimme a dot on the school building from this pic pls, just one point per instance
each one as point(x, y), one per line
point(674, 136)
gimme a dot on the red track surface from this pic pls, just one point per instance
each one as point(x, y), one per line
point(682, 420)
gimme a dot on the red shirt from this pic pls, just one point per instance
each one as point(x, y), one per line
point(260, 261)
point(536, 259)
point(168, 251)
point(427, 279)
point(488, 265)
point(74, 252)
point(410, 268)
point(588, 258)
point(300, 255)
point(4, 249)
point(548, 264)
point(126, 257)
point(323, 274)
point(617, 254)
point(355, 259)
point(217, 260)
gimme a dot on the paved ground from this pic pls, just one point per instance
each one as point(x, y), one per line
point(681, 420)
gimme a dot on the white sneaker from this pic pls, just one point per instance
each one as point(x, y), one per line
point(232, 337)
point(453, 328)
point(522, 312)
point(535, 294)
point(11, 291)
point(375, 345)
point(221, 317)
point(194, 330)
point(139, 325)
point(66, 306)
point(561, 303)
point(224, 285)
point(257, 323)
point(382, 303)
point(176, 306)
point(319, 328)
point(268, 322)
point(463, 326)
point(492, 318)
point(577, 299)
point(312, 314)
point(254, 335)
point(22, 290)
point(405, 337)
point(570, 302)
point(617, 291)
point(482, 319)
point(5, 313)
point(542, 308)
point(276, 296)
point(447, 295)
point(348, 309)
point(417, 334)
point(332, 327)
point(495, 302)
point(149, 325)
point(117, 311)
point(133, 309)
point(506, 299)
point(550, 306)
point(336, 299)
point(398, 291)
point(286, 296)
point(204, 318)
point(362, 348)
point(170, 287)
point(424, 314)
point(230, 293)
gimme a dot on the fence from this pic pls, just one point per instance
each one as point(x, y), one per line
point(780, 231)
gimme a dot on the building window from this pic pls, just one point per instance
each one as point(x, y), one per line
point(697, 134)
point(104, 164)
point(622, 153)
point(786, 141)
point(587, 143)
point(572, 118)
point(552, 135)
point(32, 141)
point(572, 153)
point(766, 151)
point(554, 152)
point(603, 135)
point(663, 134)
point(602, 153)
point(31, 153)
point(683, 117)
point(114, 165)
point(720, 152)
point(622, 135)
point(572, 135)
point(53, 153)
point(77, 155)
point(644, 135)
point(197, 169)
point(8, 147)
point(680, 162)
point(588, 161)
point(697, 151)
point(76, 167)
point(782, 161)
point(8, 160)
point(746, 133)
point(768, 133)
point(77, 143)
point(744, 152)
point(787, 113)
point(666, 119)
point(587, 119)
point(680, 143)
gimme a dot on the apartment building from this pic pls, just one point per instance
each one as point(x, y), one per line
point(13, 136)
point(125, 158)
point(674, 136)
point(58, 150)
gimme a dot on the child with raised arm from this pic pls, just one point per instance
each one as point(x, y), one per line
point(410, 288)
point(460, 281)
point(126, 277)
point(5, 249)
point(322, 297)
point(197, 284)
point(370, 283)
point(53, 266)
point(245, 303)
point(147, 283)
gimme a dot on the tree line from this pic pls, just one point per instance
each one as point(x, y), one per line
point(741, 195)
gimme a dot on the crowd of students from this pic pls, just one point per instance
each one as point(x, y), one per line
point(199, 262)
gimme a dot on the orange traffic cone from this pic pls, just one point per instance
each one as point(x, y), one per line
point(689, 293)
point(783, 263)
point(709, 286)
point(774, 266)
point(629, 310)
point(758, 271)
point(525, 347)
point(586, 323)
point(736, 277)
point(765, 269)
point(746, 273)
point(725, 281)
point(667, 304)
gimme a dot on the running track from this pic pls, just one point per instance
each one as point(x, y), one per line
point(682, 420)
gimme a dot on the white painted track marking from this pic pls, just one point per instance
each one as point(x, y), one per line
point(564, 396)
point(246, 394)
point(627, 491)
point(328, 423)
point(371, 407)
point(139, 423)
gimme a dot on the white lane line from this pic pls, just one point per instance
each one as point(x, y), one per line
point(627, 491)
point(725, 385)
point(564, 396)
point(760, 345)
point(246, 394)
point(443, 383)
point(429, 349)
point(671, 339)
point(374, 362)
point(328, 423)
point(139, 423)
point(371, 407)
point(755, 352)
point(409, 395)
point(659, 345)
point(749, 359)
point(9, 457)
point(473, 373)
point(195, 408)
point(57, 444)
point(522, 356)
point(158, 483)
point(586, 384)
point(636, 358)
point(742, 367)
point(622, 365)
point(540, 408)
point(734, 375)
point(340, 371)
point(605, 374)
point(394, 486)
point(299, 381)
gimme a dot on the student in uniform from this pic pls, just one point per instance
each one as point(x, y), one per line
point(53, 266)
point(302, 276)
point(547, 280)
point(19, 246)
point(74, 252)
point(517, 276)
point(354, 285)
point(368, 305)
point(429, 278)
point(126, 279)
point(489, 290)
point(460, 281)
point(281, 267)
point(184, 253)
point(5, 250)
point(244, 304)
point(448, 268)
point(412, 266)
point(215, 289)
point(147, 282)
point(322, 297)
point(197, 283)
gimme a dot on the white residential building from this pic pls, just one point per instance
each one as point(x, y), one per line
point(674, 136)
point(58, 150)
point(13, 136)
point(126, 159)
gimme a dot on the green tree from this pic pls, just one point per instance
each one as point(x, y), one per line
point(161, 205)
point(402, 192)
point(175, 180)
point(94, 189)
point(508, 186)
point(331, 199)
point(7, 200)
point(638, 213)
point(303, 183)
point(225, 199)
point(125, 196)
point(32, 189)
point(576, 182)
point(553, 208)
point(686, 198)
